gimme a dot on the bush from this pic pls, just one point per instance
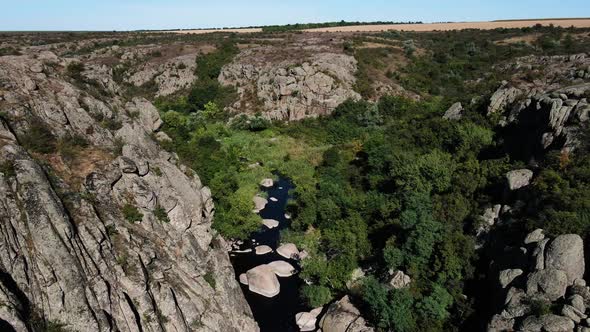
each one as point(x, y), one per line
point(161, 214)
point(316, 296)
point(39, 138)
point(131, 213)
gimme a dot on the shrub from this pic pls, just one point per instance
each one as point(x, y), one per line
point(131, 213)
point(316, 296)
point(7, 168)
point(161, 214)
point(74, 70)
point(39, 138)
point(210, 279)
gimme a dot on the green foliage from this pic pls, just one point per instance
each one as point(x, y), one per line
point(540, 308)
point(7, 168)
point(131, 213)
point(210, 279)
point(161, 214)
point(316, 296)
point(389, 309)
point(75, 69)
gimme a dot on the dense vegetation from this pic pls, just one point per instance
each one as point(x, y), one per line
point(388, 185)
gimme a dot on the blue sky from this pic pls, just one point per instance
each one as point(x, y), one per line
point(161, 14)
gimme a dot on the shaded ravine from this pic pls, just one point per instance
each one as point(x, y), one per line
point(277, 313)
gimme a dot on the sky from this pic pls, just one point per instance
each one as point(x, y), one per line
point(174, 14)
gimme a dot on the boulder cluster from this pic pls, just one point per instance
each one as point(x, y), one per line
point(545, 290)
point(291, 90)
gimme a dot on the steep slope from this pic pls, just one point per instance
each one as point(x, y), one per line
point(101, 229)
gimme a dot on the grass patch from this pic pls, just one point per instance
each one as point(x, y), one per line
point(131, 213)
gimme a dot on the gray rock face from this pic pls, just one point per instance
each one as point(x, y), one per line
point(288, 91)
point(454, 112)
point(400, 280)
point(534, 236)
point(519, 178)
point(549, 282)
point(65, 241)
point(507, 276)
point(344, 316)
point(548, 323)
point(557, 100)
point(566, 253)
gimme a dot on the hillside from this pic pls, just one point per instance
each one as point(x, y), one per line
point(295, 181)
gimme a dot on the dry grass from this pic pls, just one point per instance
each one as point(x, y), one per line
point(81, 163)
point(579, 23)
point(203, 31)
point(528, 39)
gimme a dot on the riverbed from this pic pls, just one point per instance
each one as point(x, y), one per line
point(277, 313)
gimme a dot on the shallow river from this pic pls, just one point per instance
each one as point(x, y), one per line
point(275, 314)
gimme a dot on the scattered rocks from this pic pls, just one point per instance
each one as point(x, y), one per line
point(519, 178)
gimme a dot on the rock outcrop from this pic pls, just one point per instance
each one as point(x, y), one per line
point(262, 280)
point(344, 316)
point(112, 233)
point(291, 89)
point(551, 279)
point(548, 111)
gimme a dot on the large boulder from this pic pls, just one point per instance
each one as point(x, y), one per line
point(454, 112)
point(551, 283)
point(288, 250)
point(259, 203)
point(547, 323)
point(262, 280)
point(400, 280)
point(344, 316)
point(566, 253)
point(519, 178)
point(282, 268)
point(507, 276)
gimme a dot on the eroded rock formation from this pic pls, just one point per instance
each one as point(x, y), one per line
point(105, 233)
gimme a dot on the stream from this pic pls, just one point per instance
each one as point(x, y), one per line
point(277, 313)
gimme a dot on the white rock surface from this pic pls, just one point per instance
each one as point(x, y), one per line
point(288, 250)
point(263, 250)
point(282, 268)
point(263, 280)
point(270, 223)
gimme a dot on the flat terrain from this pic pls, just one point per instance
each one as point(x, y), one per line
point(579, 23)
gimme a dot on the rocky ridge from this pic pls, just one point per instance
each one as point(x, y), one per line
point(547, 98)
point(113, 237)
point(291, 89)
point(550, 275)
